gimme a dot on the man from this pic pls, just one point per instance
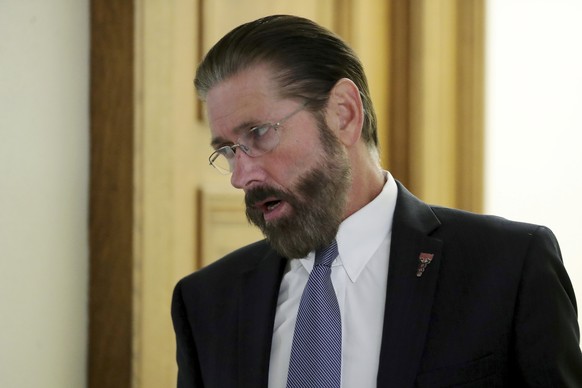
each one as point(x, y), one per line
point(410, 294)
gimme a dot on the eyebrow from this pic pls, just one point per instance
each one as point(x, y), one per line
point(236, 130)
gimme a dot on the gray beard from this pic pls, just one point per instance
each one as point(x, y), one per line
point(318, 204)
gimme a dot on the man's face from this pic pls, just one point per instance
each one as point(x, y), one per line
point(296, 193)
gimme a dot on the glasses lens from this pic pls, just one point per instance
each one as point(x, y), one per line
point(222, 159)
point(260, 140)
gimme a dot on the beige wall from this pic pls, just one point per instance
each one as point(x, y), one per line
point(44, 51)
point(534, 119)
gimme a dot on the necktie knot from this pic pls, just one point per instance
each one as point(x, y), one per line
point(327, 255)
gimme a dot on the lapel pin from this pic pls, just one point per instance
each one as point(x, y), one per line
point(424, 261)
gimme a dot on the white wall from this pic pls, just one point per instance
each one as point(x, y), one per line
point(44, 54)
point(534, 119)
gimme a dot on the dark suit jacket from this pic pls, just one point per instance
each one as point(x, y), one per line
point(494, 308)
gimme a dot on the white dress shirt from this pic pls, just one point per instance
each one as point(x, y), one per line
point(359, 276)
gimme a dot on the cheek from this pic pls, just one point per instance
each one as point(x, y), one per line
point(297, 153)
point(295, 162)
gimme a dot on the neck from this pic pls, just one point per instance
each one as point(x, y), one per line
point(367, 182)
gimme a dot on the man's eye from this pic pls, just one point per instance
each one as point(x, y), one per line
point(225, 150)
point(259, 131)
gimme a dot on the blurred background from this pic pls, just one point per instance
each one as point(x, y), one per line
point(106, 198)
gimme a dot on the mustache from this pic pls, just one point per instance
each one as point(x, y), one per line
point(261, 193)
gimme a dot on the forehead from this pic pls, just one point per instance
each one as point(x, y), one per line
point(245, 97)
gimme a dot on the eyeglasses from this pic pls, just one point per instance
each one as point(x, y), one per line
point(255, 142)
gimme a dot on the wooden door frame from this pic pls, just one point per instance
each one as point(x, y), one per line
point(111, 194)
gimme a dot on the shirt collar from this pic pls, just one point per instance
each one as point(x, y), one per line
point(360, 235)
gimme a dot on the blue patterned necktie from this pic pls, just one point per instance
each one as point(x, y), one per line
point(316, 353)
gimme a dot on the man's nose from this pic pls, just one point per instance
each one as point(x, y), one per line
point(245, 170)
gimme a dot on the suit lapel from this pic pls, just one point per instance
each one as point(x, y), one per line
point(409, 297)
point(259, 289)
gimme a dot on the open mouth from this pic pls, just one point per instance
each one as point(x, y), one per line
point(271, 205)
point(267, 204)
point(272, 208)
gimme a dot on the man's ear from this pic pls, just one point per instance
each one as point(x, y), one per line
point(345, 114)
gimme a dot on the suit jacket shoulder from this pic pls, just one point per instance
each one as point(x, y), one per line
point(223, 317)
point(494, 307)
point(230, 266)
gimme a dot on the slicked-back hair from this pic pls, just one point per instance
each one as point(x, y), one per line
point(307, 60)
